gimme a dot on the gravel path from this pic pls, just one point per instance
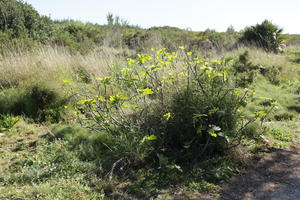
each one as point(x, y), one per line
point(274, 177)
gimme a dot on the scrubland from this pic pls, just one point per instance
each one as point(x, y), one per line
point(121, 112)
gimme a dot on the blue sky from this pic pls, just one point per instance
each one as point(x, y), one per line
point(195, 14)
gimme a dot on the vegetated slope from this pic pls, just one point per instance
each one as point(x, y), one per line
point(159, 122)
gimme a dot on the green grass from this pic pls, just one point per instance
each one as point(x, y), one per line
point(66, 163)
point(35, 168)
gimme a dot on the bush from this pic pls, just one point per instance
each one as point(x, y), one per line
point(39, 102)
point(82, 75)
point(265, 35)
point(284, 116)
point(166, 107)
point(273, 74)
point(22, 20)
point(244, 70)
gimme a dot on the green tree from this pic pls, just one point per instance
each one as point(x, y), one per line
point(21, 20)
point(265, 35)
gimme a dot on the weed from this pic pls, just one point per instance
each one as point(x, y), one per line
point(7, 122)
point(281, 135)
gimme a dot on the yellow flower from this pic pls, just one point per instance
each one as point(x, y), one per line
point(167, 116)
point(130, 61)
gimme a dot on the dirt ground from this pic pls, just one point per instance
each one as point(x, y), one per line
point(273, 177)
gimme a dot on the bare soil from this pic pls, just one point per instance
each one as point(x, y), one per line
point(274, 177)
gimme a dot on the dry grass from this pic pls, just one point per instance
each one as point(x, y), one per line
point(52, 63)
point(290, 69)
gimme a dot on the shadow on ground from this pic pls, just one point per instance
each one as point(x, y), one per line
point(274, 177)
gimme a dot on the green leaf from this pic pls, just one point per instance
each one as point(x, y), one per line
point(174, 166)
point(149, 138)
point(212, 134)
point(86, 101)
point(187, 145)
point(144, 92)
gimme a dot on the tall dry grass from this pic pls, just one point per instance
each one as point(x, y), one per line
point(52, 63)
point(289, 69)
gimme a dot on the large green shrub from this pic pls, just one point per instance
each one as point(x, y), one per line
point(168, 107)
point(265, 35)
point(22, 20)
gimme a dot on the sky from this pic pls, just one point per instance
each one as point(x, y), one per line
point(197, 15)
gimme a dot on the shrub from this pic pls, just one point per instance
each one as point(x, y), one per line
point(22, 20)
point(165, 104)
point(82, 75)
point(284, 116)
point(265, 35)
point(273, 74)
point(39, 102)
point(244, 70)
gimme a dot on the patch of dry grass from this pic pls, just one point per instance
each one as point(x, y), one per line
point(52, 63)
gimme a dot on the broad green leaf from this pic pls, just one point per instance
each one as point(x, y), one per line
point(212, 134)
point(144, 92)
point(150, 137)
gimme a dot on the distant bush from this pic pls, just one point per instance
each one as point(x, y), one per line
point(82, 75)
point(244, 71)
point(22, 20)
point(272, 74)
point(265, 35)
point(77, 36)
point(284, 116)
point(135, 40)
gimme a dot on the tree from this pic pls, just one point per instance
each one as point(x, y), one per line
point(230, 29)
point(21, 20)
point(265, 35)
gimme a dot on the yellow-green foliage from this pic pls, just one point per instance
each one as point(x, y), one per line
point(168, 103)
